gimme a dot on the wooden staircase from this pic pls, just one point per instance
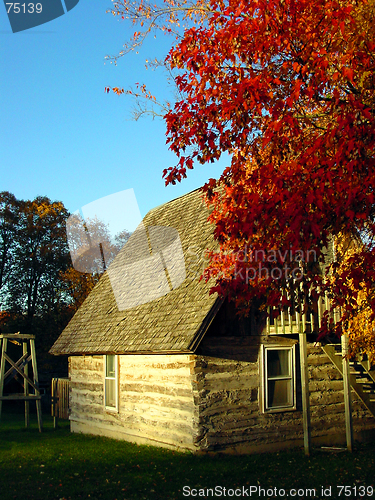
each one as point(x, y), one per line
point(362, 377)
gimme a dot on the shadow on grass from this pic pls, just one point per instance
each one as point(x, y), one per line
point(59, 465)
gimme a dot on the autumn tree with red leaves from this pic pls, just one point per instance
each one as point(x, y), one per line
point(287, 88)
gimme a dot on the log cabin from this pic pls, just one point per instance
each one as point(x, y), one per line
point(161, 361)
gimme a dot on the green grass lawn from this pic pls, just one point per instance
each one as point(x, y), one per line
point(60, 465)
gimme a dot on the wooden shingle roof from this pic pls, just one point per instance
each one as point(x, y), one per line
point(172, 323)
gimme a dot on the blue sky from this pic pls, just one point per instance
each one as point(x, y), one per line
point(61, 135)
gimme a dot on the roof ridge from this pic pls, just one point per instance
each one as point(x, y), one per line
point(173, 200)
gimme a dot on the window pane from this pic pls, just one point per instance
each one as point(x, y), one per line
point(278, 364)
point(110, 393)
point(279, 393)
point(110, 366)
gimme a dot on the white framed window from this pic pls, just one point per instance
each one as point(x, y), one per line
point(278, 378)
point(111, 382)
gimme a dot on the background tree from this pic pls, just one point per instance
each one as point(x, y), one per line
point(286, 87)
point(40, 255)
point(9, 219)
point(77, 286)
point(41, 290)
point(121, 239)
point(91, 244)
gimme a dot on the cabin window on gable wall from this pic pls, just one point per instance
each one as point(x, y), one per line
point(111, 381)
point(278, 378)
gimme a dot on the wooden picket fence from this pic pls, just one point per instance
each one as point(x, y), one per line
point(60, 398)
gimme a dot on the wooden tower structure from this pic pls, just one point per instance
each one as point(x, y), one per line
point(19, 369)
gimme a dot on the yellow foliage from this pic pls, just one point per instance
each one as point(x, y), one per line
point(360, 326)
point(361, 329)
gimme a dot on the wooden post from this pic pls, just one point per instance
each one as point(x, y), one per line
point(305, 393)
point(2, 370)
point(347, 392)
point(36, 382)
point(26, 386)
point(55, 395)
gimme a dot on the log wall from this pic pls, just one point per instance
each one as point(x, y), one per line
point(155, 405)
point(228, 395)
point(209, 401)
